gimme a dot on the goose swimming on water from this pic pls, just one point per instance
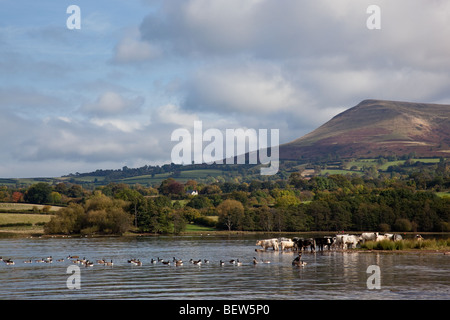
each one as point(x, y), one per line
point(9, 262)
point(197, 262)
point(298, 261)
point(178, 262)
point(110, 264)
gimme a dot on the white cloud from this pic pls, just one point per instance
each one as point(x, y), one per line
point(112, 103)
point(172, 114)
point(118, 124)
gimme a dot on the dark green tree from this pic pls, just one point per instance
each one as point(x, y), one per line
point(39, 193)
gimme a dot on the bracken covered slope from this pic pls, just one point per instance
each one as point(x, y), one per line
point(377, 127)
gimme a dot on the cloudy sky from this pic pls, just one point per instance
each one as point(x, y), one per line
point(111, 93)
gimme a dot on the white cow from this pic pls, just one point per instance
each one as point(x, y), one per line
point(345, 241)
point(352, 241)
point(382, 237)
point(287, 244)
point(339, 241)
point(398, 237)
point(389, 236)
point(267, 243)
point(369, 236)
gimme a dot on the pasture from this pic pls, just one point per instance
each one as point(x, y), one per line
point(16, 218)
point(182, 176)
point(25, 217)
point(26, 207)
point(192, 228)
point(360, 163)
point(23, 222)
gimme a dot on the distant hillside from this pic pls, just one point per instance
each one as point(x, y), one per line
point(377, 128)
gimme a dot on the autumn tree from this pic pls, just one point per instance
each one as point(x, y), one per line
point(230, 213)
point(100, 214)
point(17, 196)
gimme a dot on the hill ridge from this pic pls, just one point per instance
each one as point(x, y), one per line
point(377, 128)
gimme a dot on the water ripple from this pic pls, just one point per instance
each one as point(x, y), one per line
point(331, 275)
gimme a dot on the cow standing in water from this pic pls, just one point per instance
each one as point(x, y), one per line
point(287, 244)
point(369, 236)
point(344, 241)
point(268, 243)
point(322, 242)
point(302, 244)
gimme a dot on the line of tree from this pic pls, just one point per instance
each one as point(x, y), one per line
point(331, 203)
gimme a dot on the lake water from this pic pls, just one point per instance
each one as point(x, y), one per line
point(327, 275)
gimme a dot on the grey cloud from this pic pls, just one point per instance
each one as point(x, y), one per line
point(29, 101)
point(132, 49)
point(292, 29)
point(69, 141)
point(263, 29)
point(324, 55)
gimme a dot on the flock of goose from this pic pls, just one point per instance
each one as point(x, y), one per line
point(199, 262)
point(137, 262)
point(73, 259)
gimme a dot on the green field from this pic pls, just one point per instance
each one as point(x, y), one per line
point(198, 228)
point(11, 218)
point(443, 194)
point(360, 163)
point(25, 207)
point(23, 223)
point(339, 171)
point(182, 177)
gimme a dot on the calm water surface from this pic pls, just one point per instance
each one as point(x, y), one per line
point(328, 275)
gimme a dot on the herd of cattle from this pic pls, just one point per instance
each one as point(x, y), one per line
point(340, 241)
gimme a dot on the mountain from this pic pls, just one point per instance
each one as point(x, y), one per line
point(377, 128)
